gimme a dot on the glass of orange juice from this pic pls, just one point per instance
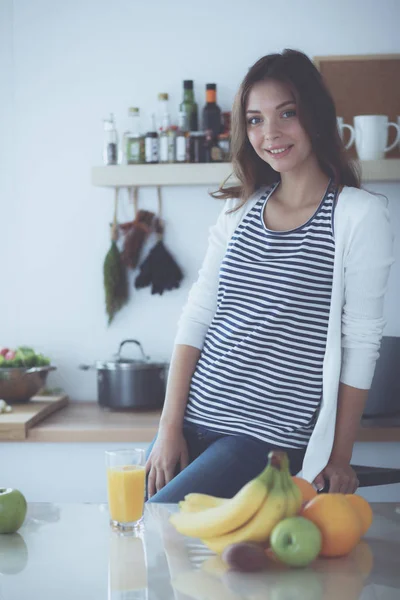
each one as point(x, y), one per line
point(126, 487)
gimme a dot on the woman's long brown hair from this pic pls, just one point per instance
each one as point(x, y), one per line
point(317, 114)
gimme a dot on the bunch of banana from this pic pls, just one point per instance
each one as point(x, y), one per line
point(249, 516)
point(197, 502)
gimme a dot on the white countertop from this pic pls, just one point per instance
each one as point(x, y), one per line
point(69, 552)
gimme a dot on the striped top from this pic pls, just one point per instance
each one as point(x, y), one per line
point(260, 369)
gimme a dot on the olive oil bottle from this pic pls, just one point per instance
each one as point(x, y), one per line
point(189, 107)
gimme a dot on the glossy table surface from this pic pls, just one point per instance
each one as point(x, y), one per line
point(70, 552)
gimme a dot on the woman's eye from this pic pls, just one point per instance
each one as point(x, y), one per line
point(291, 113)
point(253, 120)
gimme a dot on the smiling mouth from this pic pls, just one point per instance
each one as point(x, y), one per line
point(279, 151)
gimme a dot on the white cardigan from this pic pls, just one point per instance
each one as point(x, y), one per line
point(363, 255)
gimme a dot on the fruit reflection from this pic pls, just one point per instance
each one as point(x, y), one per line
point(201, 585)
point(13, 554)
point(290, 584)
point(327, 579)
point(127, 565)
point(345, 577)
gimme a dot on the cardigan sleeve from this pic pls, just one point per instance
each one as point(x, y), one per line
point(366, 271)
point(201, 304)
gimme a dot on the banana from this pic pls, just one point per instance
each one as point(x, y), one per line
point(228, 516)
point(293, 494)
point(196, 502)
point(260, 526)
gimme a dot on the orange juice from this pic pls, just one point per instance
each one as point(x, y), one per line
point(126, 492)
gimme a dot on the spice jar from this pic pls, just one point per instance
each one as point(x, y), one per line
point(224, 143)
point(197, 147)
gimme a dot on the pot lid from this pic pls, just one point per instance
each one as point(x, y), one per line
point(124, 364)
point(129, 364)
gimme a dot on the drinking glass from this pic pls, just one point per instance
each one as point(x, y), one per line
point(126, 487)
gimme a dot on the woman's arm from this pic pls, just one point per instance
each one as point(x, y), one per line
point(193, 325)
point(367, 263)
point(351, 403)
point(170, 447)
point(183, 363)
point(341, 476)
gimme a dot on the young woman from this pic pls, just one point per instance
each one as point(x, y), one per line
point(277, 344)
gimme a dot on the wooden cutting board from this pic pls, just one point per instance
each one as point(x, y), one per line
point(15, 425)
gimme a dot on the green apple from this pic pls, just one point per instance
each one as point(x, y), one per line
point(12, 510)
point(296, 541)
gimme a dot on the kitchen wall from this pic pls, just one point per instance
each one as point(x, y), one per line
point(67, 65)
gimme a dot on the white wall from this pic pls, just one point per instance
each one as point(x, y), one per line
point(67, 65)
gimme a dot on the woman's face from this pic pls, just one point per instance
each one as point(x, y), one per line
point(273, 127)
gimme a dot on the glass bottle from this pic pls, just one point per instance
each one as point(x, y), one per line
point(162, 109)
point(189, 106)
point(110, 144)
point(134, 140)
point(151, 142)
point(212, 123)
point(167, 141)
point(182, 139)
point(211, 111)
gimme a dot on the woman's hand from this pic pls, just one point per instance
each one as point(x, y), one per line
point(341, 476)
point(169, 449)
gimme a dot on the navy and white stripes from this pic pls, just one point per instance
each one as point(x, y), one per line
point(260, 370)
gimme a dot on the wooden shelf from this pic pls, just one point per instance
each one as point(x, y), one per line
point(209, 173)
point(170, 174)
point(381, 170)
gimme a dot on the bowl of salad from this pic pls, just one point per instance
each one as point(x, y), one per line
point(23, 373)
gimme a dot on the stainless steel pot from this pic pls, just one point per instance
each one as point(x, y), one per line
point(129, 383)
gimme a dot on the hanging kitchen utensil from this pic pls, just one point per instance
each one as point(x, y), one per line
point(136, 233)
point(114, 272)
point(159, 270)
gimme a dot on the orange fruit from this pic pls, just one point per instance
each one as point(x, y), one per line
point(339, 523)
point(363, 509)
point(308, 492)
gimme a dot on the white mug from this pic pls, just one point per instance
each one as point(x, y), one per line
point(342, 125)
point(372, 136)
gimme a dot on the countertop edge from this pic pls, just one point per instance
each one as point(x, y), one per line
point(130, 435)
point(87, 422)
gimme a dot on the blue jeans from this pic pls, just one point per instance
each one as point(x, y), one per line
point(219, 464)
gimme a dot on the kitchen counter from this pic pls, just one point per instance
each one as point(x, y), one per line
point(88, 422)
point(69, 551)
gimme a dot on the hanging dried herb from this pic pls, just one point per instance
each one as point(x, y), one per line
point(114, 273)
point(136, 233)
point(159, 269)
